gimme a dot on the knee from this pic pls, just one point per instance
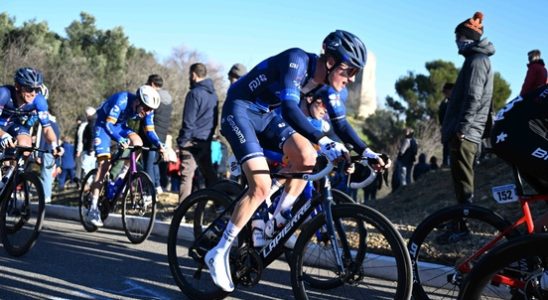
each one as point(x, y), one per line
point(303, 160)
point(259, 191)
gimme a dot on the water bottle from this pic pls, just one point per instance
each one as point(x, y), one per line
point(277, 223)
point(113, 188)
point(258, 222)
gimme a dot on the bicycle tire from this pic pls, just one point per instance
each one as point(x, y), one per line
point(523, 259)
point(434, 260)
point(229, 187)
point(21, 221)
point(84, 203)
point(368, 253)
point(190, 272)
point(138, 207)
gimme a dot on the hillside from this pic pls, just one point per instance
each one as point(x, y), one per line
point(409, 205)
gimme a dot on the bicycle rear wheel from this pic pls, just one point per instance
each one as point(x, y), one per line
point(435, 254)
point(510, 271)
point(191, 236)
point(139, 207)
point(22, 214)
point(373, 254)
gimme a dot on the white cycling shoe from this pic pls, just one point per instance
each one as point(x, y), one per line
point(219, 268)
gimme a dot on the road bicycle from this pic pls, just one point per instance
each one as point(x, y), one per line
point(22, 201)
point(134, 199)
point(512, 270)
point(440, 264)
point(355, 244)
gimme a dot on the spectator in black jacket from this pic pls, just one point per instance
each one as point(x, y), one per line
point(421, 167)
point(199, 123)
point(162, 124)
point(406, 158)
point(447, 89)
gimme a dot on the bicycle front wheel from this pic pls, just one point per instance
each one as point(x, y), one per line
point(375, 262)
point(22, 213)
point(191, 235)
point(511, 271)
point(139, 207)
point(441, 242)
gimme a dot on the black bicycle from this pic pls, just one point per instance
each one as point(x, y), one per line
point(337, 254)
point(136, 194)
point(513, 270)
point(22, 201)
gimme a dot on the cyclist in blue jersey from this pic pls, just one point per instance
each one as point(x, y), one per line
point(249, 125)
point(111, 124)
point(20, 105)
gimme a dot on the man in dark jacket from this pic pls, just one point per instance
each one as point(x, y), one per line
point(162, 124)
point(199, 123)
point(469, 106)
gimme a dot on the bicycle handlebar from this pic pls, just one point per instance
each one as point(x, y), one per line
point(320, 174)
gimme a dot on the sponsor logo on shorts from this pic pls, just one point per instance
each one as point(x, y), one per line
point(235, 129)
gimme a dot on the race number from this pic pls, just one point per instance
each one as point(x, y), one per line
point(505, 193)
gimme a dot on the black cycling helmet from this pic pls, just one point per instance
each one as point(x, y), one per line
point(29, 77)
point(345, 48)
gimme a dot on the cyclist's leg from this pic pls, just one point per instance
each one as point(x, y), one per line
point(240, 133)
point(102, 150)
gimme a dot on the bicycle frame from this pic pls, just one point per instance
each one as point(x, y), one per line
point(526, 218)
point(306, 207)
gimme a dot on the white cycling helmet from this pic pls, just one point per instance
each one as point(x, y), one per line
point(149, 96)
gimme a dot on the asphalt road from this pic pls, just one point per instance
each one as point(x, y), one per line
point(69, 263)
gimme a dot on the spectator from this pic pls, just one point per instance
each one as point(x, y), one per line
point(447, 89)
point(536, 73)
point(237, 71)
point(46, 160)
point(87, 155)
point(406, 158)
point(421, 167)
point(434, 163)
point(162, 124)
point(81, 123)
point(467, 113)
point(199, 123)
point(68, 164)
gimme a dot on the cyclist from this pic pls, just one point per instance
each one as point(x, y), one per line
point(520, 136)
point(111, 123)
point(20, 105)
point(249, 125)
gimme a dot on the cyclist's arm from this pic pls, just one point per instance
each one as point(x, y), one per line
point(294, 71)
point(113, 115)
point(335, 104)
point(149, 130)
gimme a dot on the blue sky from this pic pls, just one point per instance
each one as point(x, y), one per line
point(402, 34)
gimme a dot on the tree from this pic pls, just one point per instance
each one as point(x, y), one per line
point(421, 94)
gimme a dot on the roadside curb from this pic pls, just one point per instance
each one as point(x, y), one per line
point(160, 228)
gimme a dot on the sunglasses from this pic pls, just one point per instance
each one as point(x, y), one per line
point(30, 89)
point(348, 71)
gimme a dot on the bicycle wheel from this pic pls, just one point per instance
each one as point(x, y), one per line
point(22, 213)
point(139, 207)
point(513, 270)
point(85, 201)
point(373, 253)
point(435, 257)
point(191, 235)
point(229, 187)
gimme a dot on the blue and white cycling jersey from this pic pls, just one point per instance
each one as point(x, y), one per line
point(19, 116)
point(278, 80)
point(112, 117)
point(335, 103)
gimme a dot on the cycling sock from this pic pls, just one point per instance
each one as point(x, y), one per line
point(286, 202)
point(94, 201)
point(230, 233)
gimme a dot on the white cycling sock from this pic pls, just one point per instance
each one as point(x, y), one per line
point(230, 233)
point(94, 201)
point(286, 202)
